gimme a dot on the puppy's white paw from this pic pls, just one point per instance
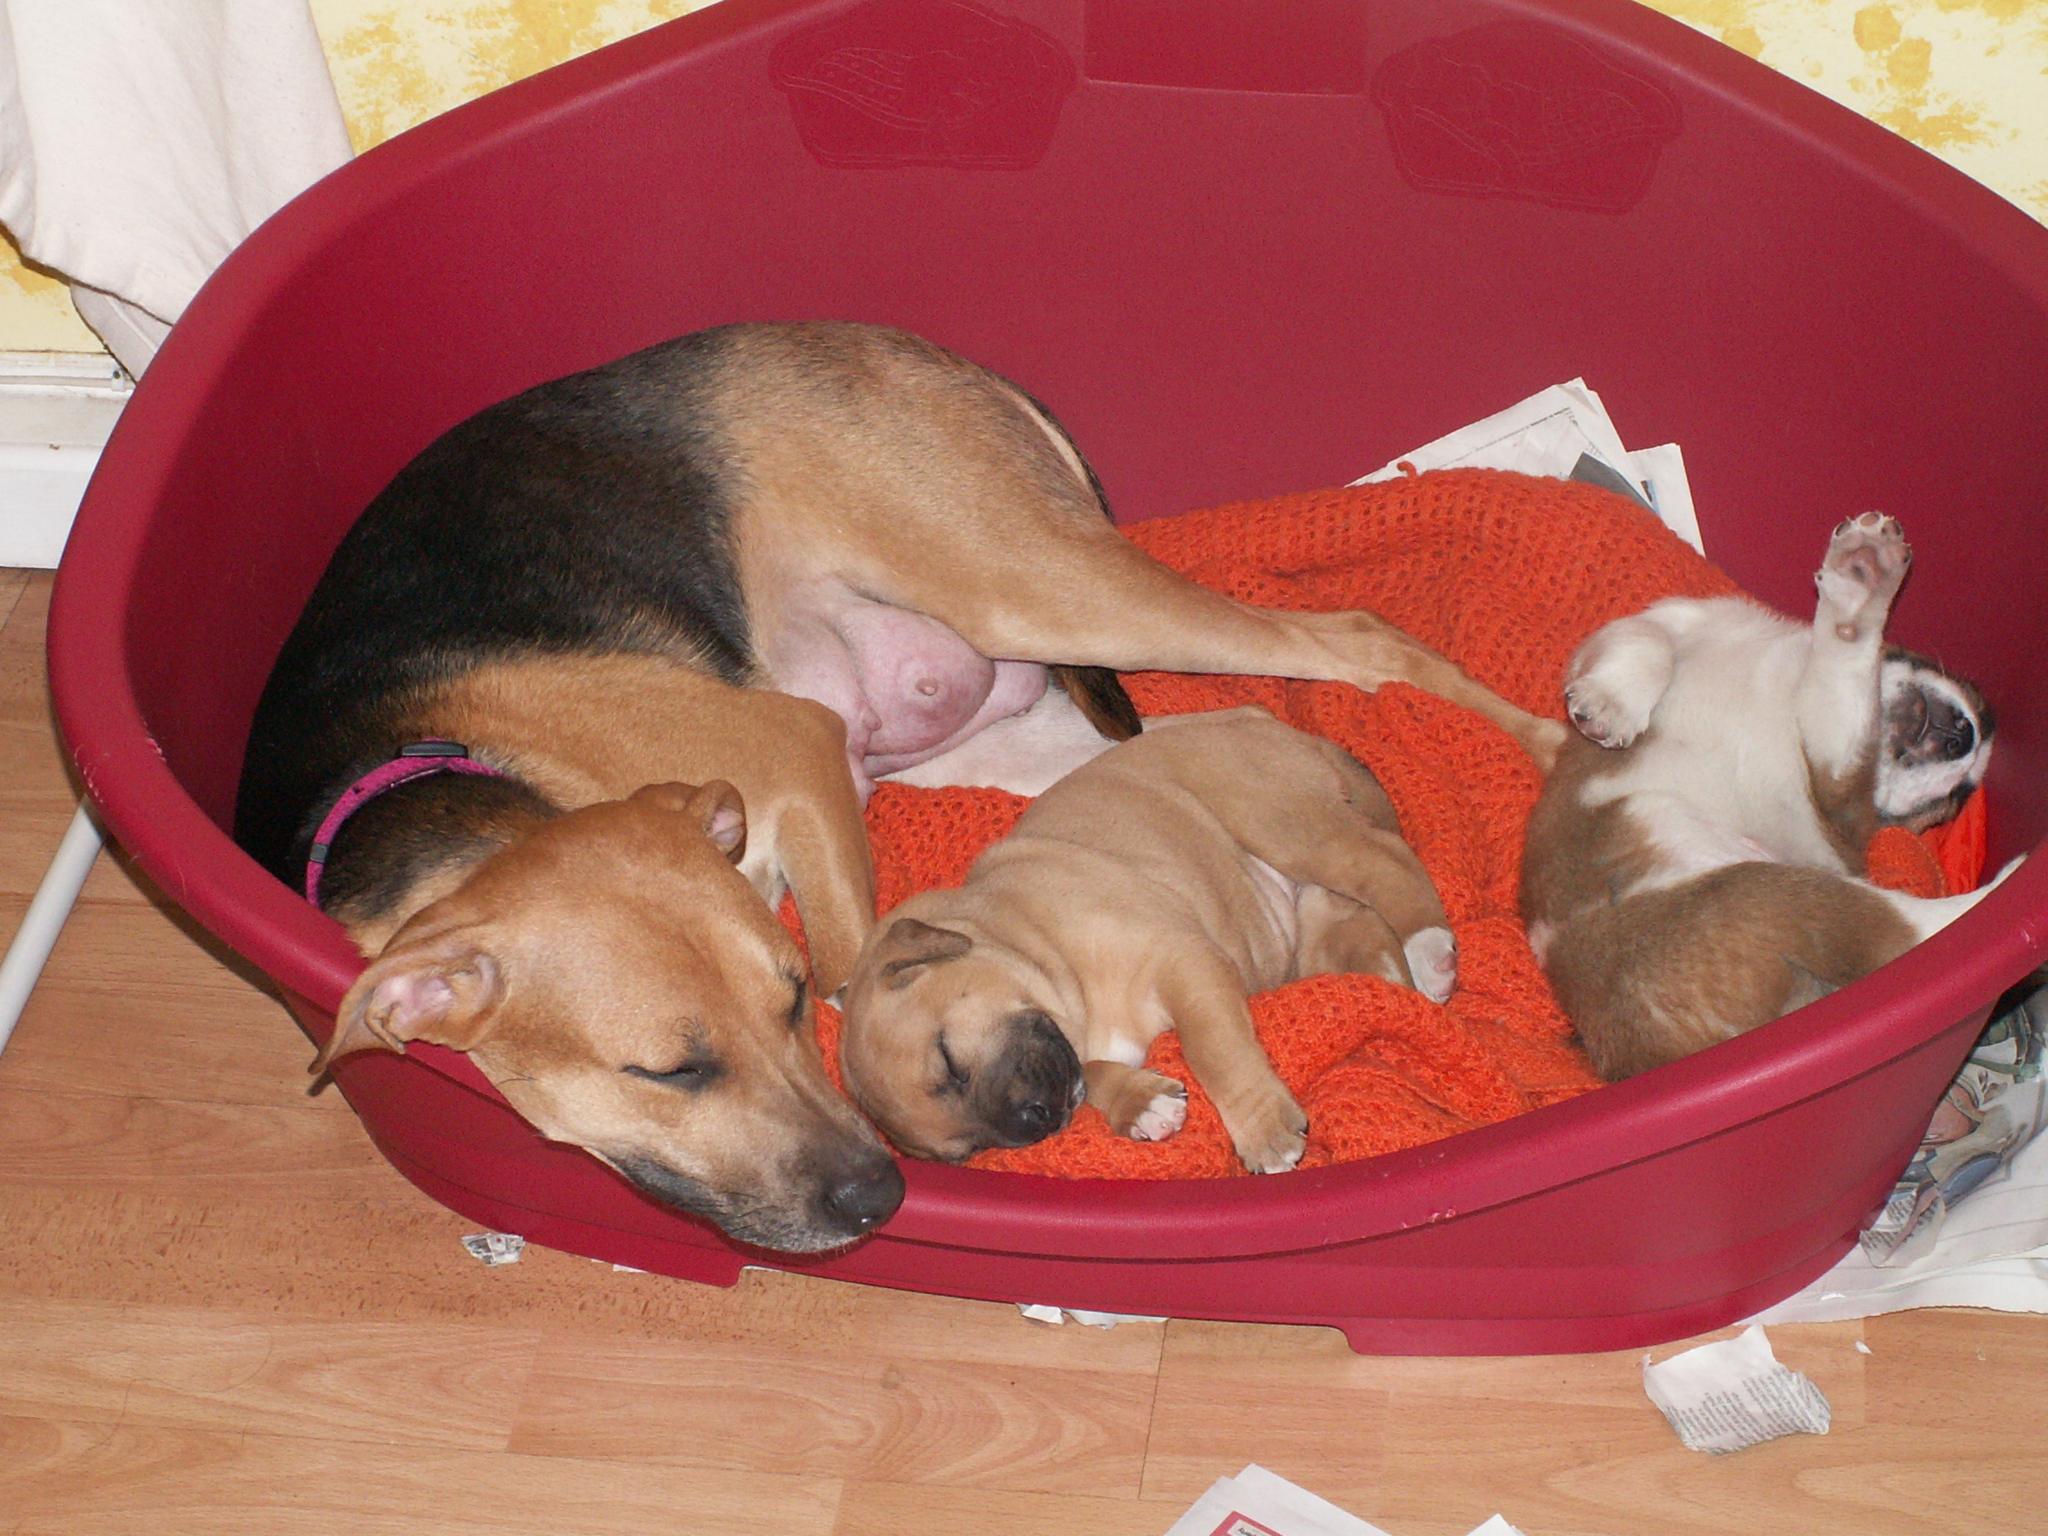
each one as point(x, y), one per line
point(1605, 715)
point(1146, 1105)
point(1272, 1138)
point(1161, 1117)
point(1858, 578)
point(1279, 1155)
point(1432, 956)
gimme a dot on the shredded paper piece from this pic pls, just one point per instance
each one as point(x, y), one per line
point(1258, 1502)
point(495, 1248)
point(1039, 1312)
point(1722, 1397)
point(1997, 1105)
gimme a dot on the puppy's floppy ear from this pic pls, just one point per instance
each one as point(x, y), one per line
point(715, 806)
point(910, 945)
point(444, 989)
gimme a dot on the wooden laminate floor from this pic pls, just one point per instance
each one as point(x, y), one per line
point(221, 1313)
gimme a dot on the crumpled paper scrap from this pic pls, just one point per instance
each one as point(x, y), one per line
point(1724, 1396)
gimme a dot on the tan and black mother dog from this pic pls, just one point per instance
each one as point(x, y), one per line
point(776, 562)
point(1151, 889)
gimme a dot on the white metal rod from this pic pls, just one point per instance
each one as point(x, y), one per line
point(45, 918)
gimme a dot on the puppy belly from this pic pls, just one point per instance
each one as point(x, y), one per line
point(1700, 807)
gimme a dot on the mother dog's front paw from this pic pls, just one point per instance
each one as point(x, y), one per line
point(1271, 1137)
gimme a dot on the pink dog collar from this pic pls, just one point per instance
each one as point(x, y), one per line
point(415, 761)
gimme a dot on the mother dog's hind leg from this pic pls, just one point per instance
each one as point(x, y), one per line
point(941, 489)
point(1086, 596)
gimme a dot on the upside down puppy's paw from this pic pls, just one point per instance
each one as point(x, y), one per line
point(1605, 715)
point(1616, 680)
point(1867, 558)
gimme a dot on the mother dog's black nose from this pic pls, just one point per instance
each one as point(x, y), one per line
point(861, 1199)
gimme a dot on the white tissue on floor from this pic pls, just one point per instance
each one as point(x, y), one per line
point(1724, 1396)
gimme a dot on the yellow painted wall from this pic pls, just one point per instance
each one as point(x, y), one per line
point(1967, 79)
point(398, 62)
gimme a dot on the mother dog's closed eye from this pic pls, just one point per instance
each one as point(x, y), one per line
point(782, 556)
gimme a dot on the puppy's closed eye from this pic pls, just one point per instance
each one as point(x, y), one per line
point(955, 1080)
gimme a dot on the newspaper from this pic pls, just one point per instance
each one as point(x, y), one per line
point(1257, 1502)
point(1563, 431)
point(1996, 1106)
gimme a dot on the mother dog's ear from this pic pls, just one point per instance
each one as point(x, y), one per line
point(714, 805)
point(910, 945)
point(441, 989)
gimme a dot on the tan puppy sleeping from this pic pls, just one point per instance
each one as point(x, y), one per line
point(1154, 888)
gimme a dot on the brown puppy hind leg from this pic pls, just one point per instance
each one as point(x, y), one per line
point(1204, 995)
point(1342, 937)
point(1319, 817)
point(1666, 973)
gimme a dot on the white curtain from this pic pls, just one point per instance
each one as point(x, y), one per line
point(141, 140)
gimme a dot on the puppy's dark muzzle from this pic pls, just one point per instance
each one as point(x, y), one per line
point(1036, 1086)
point(1927, 728)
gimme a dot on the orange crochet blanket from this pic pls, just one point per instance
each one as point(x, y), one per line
point(1504, 573)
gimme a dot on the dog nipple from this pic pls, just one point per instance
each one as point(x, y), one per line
point(928, 686)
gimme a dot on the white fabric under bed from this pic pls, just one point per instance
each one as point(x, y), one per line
point(142, 140)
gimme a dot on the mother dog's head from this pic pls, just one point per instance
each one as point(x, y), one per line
point(620, 983)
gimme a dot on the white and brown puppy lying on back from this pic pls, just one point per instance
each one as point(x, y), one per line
point(1692, 869)
point(1153, 888)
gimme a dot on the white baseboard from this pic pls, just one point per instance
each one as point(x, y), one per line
point(56, 410)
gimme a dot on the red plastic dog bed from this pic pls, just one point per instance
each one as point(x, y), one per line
point(1240, 250)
